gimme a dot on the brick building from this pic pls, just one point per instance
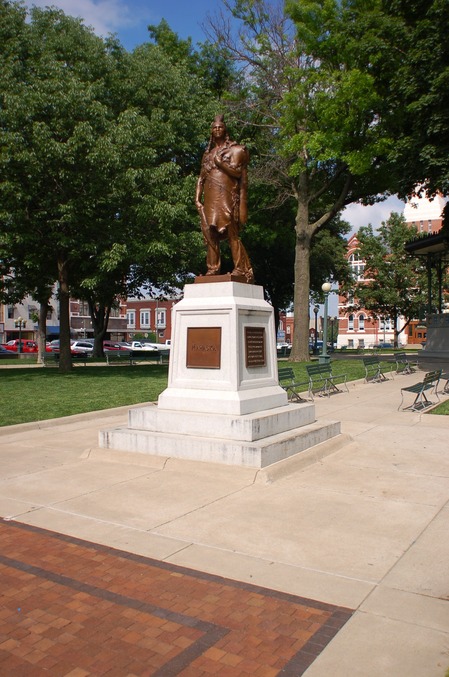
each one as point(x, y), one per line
point(356, 328)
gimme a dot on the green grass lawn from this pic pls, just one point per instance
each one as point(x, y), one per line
point(37, 394)
point(442, 409)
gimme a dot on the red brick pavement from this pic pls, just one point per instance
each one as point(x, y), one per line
point(72, 608)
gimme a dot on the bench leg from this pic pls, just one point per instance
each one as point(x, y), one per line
point(293, 396)
point(421, 402)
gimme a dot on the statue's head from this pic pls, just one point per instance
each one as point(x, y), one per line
point(218, 120)
point(218, 130)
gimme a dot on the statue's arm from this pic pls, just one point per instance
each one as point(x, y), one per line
point(232, 161)
point(199, 193)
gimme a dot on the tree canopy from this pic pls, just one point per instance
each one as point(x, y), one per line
point(419, 91)
point(99, 152)
point(306, 82)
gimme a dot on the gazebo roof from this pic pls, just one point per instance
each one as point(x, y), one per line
point(436, 243)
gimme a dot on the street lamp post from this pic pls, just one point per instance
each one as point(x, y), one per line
point(315, 342)
point(324, 357)
point(20, 322)
point(333, 322)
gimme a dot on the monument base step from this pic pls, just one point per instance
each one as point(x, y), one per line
point(247, 428)
point(258, 453)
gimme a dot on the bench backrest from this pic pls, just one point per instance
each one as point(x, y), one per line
point(318, 370)
point(432, 376)
point(369, 361)
point(286, 374)
point(400, 357)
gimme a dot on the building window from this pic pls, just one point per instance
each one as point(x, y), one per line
point(361, 322)
point(351, 323)
point(84, 308)
point(357, 266)
point(10, 313)
point(131, 319)
point(115, 312)
point(161, 318)
point(350, 343)
point(429, 226)
point(145, 319)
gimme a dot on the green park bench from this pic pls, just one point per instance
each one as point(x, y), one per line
point(323, 381)
point(133, 357)
point(403, 364)
point(375, 369)
point(429, 382)
point(287, 381)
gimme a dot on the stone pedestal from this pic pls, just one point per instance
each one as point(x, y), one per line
point(223, 357)
point(435, 354)
point(223, 402)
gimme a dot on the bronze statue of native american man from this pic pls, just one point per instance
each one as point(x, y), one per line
point(221, 199)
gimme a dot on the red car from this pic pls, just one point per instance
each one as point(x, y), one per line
point(26, 346)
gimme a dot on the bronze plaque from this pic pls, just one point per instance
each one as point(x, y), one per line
point(204, 347)
point(255, 347)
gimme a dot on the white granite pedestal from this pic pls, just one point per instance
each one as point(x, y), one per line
point(223, 402)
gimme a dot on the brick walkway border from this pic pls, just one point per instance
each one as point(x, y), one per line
point(73, 608)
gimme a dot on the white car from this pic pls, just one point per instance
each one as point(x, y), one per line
point(138, 345)
point(151, 346)
point(76, 347)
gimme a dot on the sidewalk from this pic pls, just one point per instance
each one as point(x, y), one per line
point(359, 523)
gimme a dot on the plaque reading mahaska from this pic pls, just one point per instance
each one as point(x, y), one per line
point(255, 346)
point(204, 347)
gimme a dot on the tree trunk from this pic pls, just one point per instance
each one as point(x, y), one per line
point(65, 356)
point(42, 332)
point(300, 348)
point(99, 316)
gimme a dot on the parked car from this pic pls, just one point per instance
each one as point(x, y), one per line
point(26, 346)
point(153, 346)
point(279, 346)
point(6, 353)
point(77, 348)
point(114, 345)
point(138, 345)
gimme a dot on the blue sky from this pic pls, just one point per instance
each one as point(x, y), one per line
point(129, 20)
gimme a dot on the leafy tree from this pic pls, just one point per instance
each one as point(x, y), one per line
point(307, 83)
point(55, 168)
point(395, 284)
point(99, 156)
point(419, 91)
point(270, 236)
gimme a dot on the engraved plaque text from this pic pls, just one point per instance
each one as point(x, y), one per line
point(255, 346)
point(204, 347)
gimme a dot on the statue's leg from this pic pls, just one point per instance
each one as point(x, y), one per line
point(242, 264)
point(213, 260)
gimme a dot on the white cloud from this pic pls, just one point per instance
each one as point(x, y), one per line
point(358, 215)
point(104, 16)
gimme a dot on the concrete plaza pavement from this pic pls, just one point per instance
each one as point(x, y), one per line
point(361, 521)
